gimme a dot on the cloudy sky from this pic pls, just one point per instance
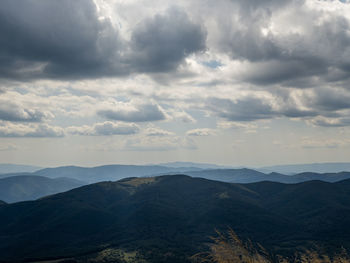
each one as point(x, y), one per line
point(237, 82)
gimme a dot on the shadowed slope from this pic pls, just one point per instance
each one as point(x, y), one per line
point(174, 214)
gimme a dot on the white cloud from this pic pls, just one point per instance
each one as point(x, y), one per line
point(200, 132)
point(104, 129)
point(31, 130)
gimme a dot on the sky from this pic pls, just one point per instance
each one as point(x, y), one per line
point(234, 82)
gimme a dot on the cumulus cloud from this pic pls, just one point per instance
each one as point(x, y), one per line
point(254, 108)
point(161, 43)
point(32, 130)
point(10, 111)
point(44, 39)
point(157, 132)
point(70, 40)
point(104, 129)
point(200, 132)
point(330, 122)
point(136, 113)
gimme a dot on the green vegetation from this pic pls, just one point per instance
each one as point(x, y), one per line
point(170, 218)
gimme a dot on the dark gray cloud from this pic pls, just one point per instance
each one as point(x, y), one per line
point(49, 39)
point(330, 99)
point(252, 109)
point(242, 36)
point(300, 50)
point(160, 44)
point(67, 39)
point(142, 113)
point(334, 122)
point(249, 109)
point(12, 112)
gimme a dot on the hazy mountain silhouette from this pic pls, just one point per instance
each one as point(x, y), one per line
point(196, 165)
point(312, 167)
point(108, 172)
point(243, 175)
point(6, 168)
point(21, 188)
point(168, 218)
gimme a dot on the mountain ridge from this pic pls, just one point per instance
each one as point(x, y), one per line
point(30, 187)
point(177, 214)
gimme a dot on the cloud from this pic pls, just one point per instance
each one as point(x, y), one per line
point(138, 113)
point(275, 48)
point(329, 99)
point(330, 122)
point(32, 130)
point(248, 109)
point(65, 39)
point(72, 40)
point(251, 108)
point(10, 111)
point(200, 132)
point(160, 43)
point(105, 129)
point(157, 132)
point(183, 116)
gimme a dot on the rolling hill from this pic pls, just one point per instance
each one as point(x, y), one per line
point(242, 175)
point(108, 172)
point(31, 187)
point(245, 175)
point(169, 218)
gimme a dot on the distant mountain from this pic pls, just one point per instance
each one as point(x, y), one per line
point(117, 172)
point(301, 168)
point(243, 175)
point(108, 172)
point(2, 202)
point(169, 218)
point(17, 168)
point(23, 188)
point(194, 165)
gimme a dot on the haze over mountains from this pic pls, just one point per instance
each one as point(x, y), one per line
point(313, 167)
point(6, 168)
point(169, 218)
point(30, 186)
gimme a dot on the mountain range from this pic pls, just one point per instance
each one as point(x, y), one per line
point(169, 218)
point(117, 172)
point(311, 167)
point(109, 172)
point(245, 175)
point(31, 187)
